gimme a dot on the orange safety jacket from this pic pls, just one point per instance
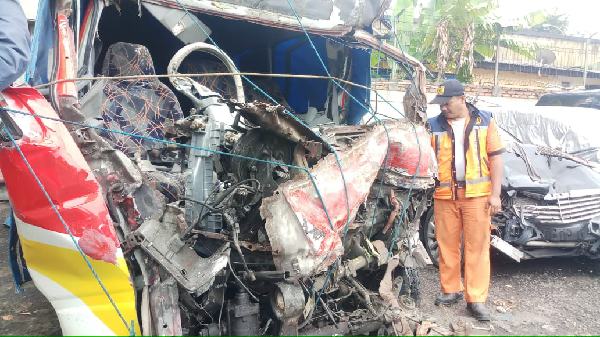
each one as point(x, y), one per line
point(481, 142)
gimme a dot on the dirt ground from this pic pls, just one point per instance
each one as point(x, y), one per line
point(558, 296)
point(27, 313)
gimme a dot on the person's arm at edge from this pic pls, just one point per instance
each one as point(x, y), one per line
point(14, 42)
point(495, 150)
point(496, 174)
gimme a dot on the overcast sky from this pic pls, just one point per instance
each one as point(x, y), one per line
point(583, 15)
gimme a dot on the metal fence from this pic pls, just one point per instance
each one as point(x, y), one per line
point(546, 54)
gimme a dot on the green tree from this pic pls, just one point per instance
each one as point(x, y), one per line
point(450, 35)
point(543, 21)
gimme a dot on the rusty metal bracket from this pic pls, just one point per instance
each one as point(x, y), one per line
point(314, 150)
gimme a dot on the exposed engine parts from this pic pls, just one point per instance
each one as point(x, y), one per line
point(263, 226)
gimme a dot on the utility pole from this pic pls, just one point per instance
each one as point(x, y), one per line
point(585, 48)
point(496, 89)
point(394, 75)
point(585, 58)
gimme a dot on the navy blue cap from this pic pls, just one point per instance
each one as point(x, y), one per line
point(447, 90)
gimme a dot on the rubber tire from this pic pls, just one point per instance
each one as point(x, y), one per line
point(428, 228)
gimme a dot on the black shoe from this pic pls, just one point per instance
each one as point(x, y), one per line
point(448, 299)
point(479, 311)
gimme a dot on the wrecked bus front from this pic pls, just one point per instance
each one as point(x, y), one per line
point(244, 202)
point(318, 16)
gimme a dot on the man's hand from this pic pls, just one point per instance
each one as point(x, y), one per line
point(494, 204)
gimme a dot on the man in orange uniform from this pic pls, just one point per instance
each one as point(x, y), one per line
point(467, 193)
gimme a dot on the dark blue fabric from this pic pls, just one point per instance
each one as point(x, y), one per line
point(14, 42)
point(41, 47)
point(139, 106)
point(15, 254)
point(296, 56)
point(361, 74)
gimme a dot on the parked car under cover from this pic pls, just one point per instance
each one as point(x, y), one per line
point(550, 198)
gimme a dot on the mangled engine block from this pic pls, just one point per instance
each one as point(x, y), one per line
point(253, 223)
point(239, 231)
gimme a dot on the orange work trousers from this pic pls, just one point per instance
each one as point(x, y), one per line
point(469, 217)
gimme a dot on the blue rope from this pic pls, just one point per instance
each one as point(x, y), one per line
point(287, 112)
point(68, 230)
point(168, 142)
point(270, 98)
point(346, 226)
point(396, 232)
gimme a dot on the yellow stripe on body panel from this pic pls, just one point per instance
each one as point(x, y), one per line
point(39, 234)
point(67, 268)
point(75, 317)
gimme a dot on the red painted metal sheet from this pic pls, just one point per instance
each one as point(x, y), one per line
point(67, 58)
point(300, 215)
point(410, 149)
point(299, 230)
point(61, 168)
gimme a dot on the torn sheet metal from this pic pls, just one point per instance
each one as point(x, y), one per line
point(410, 153)
point(187, 28)
point(55, 265)
point(318, 16)
point(161, 240)
point(411, 161)
point(301, 236)
point(274, 118)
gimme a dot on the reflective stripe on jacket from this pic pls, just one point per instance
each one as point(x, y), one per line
point(481, 142)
